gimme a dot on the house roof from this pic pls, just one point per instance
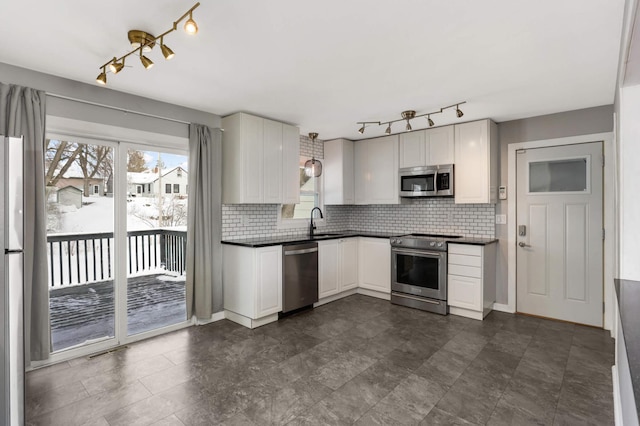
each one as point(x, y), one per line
point(70, 188)
point(326, 65)
point(149, 176)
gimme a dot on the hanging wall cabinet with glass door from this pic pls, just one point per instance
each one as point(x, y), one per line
point(110, 284)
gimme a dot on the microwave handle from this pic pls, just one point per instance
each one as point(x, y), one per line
point(435, 181)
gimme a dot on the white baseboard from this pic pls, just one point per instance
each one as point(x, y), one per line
point(373, 293)
point(476, 315)
point(334, 297)
point(248, 322)
point(501, 307)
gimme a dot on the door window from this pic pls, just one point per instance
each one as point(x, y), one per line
point(566, 175)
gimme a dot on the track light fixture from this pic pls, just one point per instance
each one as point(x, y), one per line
point(146, 62)
point(142, 41)
point(410, 115)
point(102, 77)
point(190, 26)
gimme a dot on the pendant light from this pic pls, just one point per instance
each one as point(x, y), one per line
point(313, 167)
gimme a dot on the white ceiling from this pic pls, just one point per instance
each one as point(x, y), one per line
point(324, 65)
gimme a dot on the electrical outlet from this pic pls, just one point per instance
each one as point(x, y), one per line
point(501, 219)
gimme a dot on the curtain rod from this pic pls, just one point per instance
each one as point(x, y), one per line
point(68, 98)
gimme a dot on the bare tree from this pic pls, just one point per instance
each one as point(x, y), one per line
point(136, 161)
point(92, 159)
point(60, 156)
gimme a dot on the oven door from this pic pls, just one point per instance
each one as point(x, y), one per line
point(419, 272)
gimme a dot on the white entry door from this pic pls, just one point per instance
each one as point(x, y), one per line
point(560, 233)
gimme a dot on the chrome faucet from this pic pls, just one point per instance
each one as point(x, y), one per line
point(312, 226)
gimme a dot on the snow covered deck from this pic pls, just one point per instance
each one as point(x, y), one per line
point(86, 312)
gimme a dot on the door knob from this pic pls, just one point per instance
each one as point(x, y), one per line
point(523, 245)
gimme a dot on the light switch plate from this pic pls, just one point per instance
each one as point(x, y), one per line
point(501, 219)
point(502, 193)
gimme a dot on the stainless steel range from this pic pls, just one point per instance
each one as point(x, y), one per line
point(419, 271)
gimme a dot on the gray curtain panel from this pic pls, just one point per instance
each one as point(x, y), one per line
point(22, 114)
point(204, 229)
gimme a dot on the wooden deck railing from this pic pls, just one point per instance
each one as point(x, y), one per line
point(89, 257)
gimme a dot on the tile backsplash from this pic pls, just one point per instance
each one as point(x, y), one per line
point(429, 215)
point(422, 215)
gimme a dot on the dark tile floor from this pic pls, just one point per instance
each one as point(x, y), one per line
point(358, 361)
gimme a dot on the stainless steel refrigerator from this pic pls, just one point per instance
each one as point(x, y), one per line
point(11, 283)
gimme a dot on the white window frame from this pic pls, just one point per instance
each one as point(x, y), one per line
point(303, 223)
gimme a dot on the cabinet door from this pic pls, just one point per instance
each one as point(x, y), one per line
point(439, 143)
point(348, 263)
point(268, 281)
point(252, 134)
point(272, 179)
point(290, 164)
point(465, 292)
point(328, 280)
point(374, 264)
point(348, 190)
point(361, 174)
point(382, 166)
point(472, 162)
point(412, 149)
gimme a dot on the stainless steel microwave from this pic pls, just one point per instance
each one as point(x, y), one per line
point(427, 181)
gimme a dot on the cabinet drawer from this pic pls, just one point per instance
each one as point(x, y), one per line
point(465, 293)
point(465, 271)
point(469, 250)
point(464, 260)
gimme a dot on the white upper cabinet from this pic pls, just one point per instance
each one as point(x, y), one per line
point(440, 146)
point(338, 172)
point(412, 149)
point(476, 162)
point(259, 156)
point(272, 182)
point(428, 147)
point(376, 171)
point(290, 156)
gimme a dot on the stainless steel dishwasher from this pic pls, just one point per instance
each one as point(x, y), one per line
point(300, 276)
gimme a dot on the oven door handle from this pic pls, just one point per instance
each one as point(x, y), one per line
point(418, 252)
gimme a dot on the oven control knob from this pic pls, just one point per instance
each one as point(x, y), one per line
point(432, 243)
point(440, 244)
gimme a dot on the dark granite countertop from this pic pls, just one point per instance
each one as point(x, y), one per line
point(322, 236)
point(475, 241)
point(629, 306)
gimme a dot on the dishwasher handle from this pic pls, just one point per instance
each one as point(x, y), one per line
point(301, 251)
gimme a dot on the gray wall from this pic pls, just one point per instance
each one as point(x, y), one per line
point(560, 125)
point(105, 101)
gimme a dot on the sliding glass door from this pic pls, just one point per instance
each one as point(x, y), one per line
point(80, 241)
point(116, 231)
point(156, 239)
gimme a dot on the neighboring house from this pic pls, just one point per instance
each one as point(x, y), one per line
point(96, 185)
point(69, 196)
point(149, 183)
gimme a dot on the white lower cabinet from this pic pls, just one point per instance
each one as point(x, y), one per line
point(337, 266)
point(471, 279)
point(252, 281)
point(374, 264)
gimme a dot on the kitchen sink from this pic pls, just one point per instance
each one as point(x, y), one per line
point(323, 235)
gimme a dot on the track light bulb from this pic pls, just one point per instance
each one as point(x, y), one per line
point(116, 66)
point(167, 52)
point(388, 131)
point(146, 62)
point(361, 129)
point(431, 123)
point(459, 112)
point(190, 26)
point(102, 78)
point(408, 128)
